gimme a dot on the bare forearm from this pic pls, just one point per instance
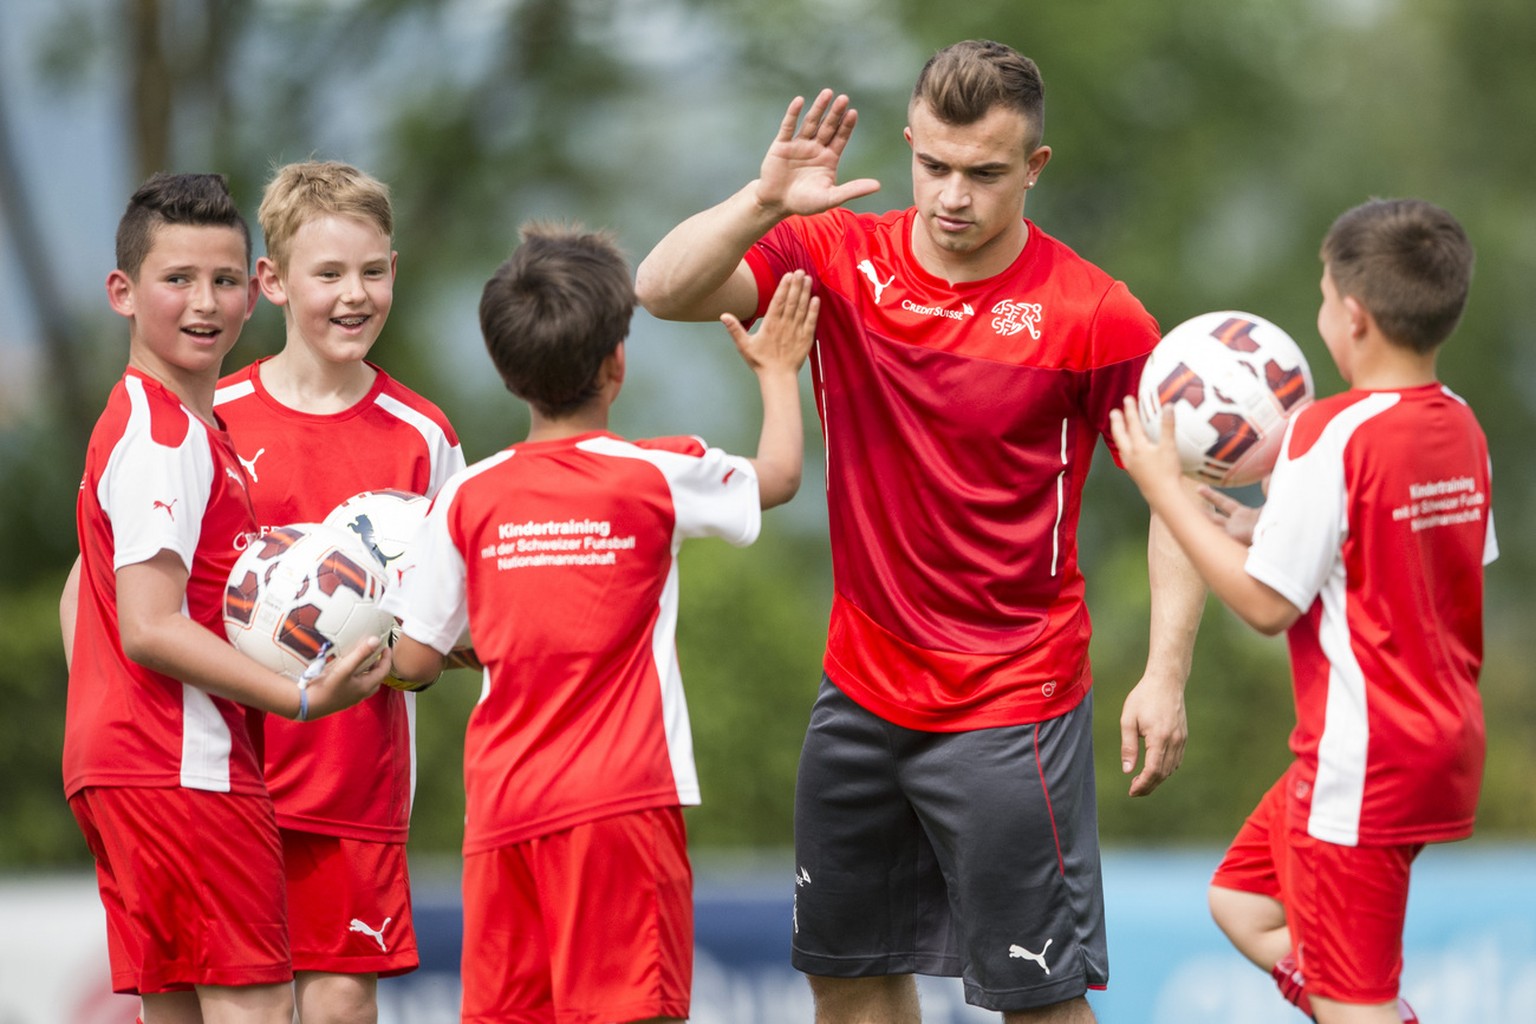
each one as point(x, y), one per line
point(157, 634)
point(1177, 600)
point(176, 646)
point(693, 272)
point(781, 445)
point(415, 662)
point(1220, 561)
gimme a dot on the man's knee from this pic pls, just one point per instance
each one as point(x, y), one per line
point(1073, 1011)
point(888, 999)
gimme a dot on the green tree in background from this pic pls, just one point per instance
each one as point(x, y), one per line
point(1201, 149)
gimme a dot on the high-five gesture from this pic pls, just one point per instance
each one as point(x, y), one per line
point(799, 173)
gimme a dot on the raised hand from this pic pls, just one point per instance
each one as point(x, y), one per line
point(784, 336)
point(775, 352)
point(1151, 464)
point(799, 173)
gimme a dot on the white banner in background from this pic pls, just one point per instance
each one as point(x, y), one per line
point(1469, 949)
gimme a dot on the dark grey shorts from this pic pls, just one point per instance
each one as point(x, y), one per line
point(972, 854)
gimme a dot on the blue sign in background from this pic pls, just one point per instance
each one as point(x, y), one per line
point(1469, 948)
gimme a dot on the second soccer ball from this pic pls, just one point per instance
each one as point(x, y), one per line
point(1233, 380)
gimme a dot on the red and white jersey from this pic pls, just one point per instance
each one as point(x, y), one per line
point(157, 478)
point(561, 556)
point(350, 774)
point(1378, 524)
point(959, 423)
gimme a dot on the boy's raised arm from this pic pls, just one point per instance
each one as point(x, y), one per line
point(775, 353)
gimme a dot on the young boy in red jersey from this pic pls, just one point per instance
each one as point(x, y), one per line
point(561, 554)
point(1370, 550)
point(315, 424)
point(160, 765)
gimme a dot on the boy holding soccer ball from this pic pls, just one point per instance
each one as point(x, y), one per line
point(560, 553)
point(1370, 551)
point(160, 767)
point(313, 425)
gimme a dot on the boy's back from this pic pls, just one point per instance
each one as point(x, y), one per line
point(562, 555)
point(1380, 507)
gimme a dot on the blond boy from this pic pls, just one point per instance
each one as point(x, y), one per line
point(313, 425)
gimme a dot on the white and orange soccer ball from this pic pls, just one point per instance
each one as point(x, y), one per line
point(297, 588)
point(1233, 380)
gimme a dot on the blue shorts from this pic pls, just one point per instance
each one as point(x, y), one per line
point(971, 854)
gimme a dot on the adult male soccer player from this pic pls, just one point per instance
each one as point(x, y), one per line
point(965, 366)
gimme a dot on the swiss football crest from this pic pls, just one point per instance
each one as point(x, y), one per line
point(1010, 317)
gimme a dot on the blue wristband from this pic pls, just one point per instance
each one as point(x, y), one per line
point(311, 672)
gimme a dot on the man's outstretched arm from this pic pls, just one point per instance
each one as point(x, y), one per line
point(696, 272)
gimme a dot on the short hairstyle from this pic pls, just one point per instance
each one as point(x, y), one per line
point(1408, 262)
point(552, 313)
point(964, 81)
point(200, 200)
point(300, 192)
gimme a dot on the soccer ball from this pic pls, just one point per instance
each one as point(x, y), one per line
point(297, 587)
point(382, 524)
point(1233, 380)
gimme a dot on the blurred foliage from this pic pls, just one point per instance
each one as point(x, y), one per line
point(751, 628)
point(1200, 151)
point(38, 828)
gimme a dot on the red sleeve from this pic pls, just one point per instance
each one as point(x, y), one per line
point(1124, 334)
point(783, 249)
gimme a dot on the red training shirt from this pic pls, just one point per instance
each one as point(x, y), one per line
point(959, 423)
point(561, 556)
point(156, 478)
point(1378, 524)
point(350, 774)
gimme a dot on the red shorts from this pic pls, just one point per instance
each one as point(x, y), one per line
point(587, 925)
point(1345, 905)
point(349, 905)
point(192, 882)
